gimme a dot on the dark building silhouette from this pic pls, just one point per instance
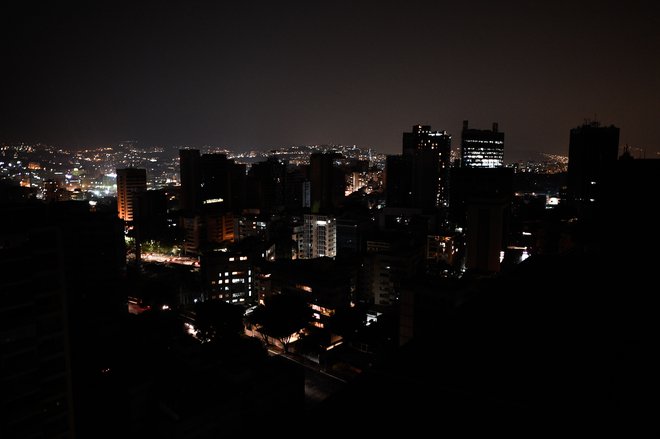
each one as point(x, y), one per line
point(190, 171)
point(351, 233)
point(592, 155)
point(216, 181)
point(390, 258)
point(36, 397)
point(222, 193)
point(482, 148)
point(327, 182)
point(267, 183)
point(398, 181)
point(211, 181)
point(130, 182)
point(481, 204)
point(150, 215)
point(294, 189)
point(61, 295)
point(485, 230)
point(429, 155)
point(327, 285)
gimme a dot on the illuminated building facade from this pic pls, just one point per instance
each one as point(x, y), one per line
point(130, 181)
point(318, 238)
point(219, 227)
point(482, 148)
point(228, 276)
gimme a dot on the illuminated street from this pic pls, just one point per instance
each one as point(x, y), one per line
point(166, 259)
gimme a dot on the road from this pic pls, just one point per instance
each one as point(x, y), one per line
point(179, 260)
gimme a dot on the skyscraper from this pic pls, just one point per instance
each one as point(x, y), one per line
point(222, 183)
point(130, 181)
point(189, 168)
point(482, 148)
point(429, 154)
point(212, 188)
point(61, 292)
point(327, 182)
point(36, 394)
point(266, 182)
point(592, 155)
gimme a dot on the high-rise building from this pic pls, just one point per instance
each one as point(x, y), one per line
point(130, 181)
point(592, 155)
point(219, 227)
point(485, 230)
point(482, 148)
point(150, 214)
point(429, 153)
point(212, 188)
point(267, 182)
point(190, 171)
point(327, 182)
point(222, 183)
point(481, 204)
point(36, 394)
point(389, 259)
point(319, 237)
point(420, 177)
point(59, 261)
point(193, 234)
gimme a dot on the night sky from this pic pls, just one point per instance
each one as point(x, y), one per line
point(262, 74)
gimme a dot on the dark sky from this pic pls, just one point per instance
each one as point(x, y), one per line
point(259, 74)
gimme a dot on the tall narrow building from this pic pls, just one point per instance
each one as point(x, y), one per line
point(420, 177)
point(190, 172)
point(130, 182)
point(319, 237)
point(482, 148)
point(327, 182)
point(592, 156)
point(36, 393)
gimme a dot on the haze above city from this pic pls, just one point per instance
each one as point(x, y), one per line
point(259, 75)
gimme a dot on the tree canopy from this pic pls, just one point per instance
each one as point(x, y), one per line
point(282, 316)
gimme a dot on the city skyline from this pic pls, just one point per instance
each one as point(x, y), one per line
point(258, 76)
